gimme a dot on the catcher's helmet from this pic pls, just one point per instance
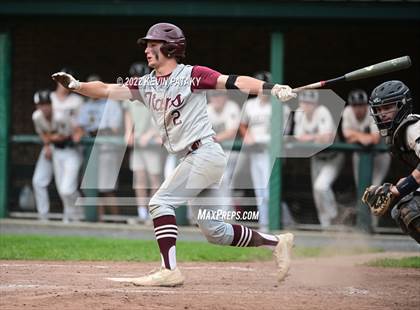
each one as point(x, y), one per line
point(174, 43)
point(42, 97)
point(390, 92)
point(357, 97)
point(308, 96)
point(263, 76)
point(138, 69)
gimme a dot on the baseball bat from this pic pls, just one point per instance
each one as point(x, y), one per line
point(366, 72)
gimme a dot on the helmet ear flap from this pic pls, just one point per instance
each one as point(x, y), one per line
point(170, 49)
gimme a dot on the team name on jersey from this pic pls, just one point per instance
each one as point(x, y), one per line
point(159, 103)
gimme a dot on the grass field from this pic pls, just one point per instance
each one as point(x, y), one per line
point(33, 247)
point(405, 262)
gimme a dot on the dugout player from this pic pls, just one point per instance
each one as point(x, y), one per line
point(43, 173)
point(67, 159)
point(358, 126)
point(224, 115)
point(140, 133)
point(175, 94)
point(391, 105)
point(103, 117)
point(316, 125)
point(255, 128)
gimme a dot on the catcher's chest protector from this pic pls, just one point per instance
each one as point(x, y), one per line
point(399, 148)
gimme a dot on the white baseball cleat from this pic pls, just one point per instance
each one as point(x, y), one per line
point(282, 254)
point(162, 277)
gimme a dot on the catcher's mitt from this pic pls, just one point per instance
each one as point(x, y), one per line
point(379, 198)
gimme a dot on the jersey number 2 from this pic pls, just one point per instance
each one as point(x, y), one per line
point(175, 117)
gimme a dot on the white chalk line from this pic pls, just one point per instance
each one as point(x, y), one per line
point(170, 291)
point(107, 267)
point(54, 265)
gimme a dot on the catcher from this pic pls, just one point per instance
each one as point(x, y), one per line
point(391, 107)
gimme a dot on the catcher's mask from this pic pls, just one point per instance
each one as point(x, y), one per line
point(174, 43)
point(391, 94)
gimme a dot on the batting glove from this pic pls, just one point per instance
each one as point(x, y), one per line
point(283, 92)
point(66, 80)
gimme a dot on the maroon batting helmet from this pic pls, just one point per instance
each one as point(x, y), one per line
point(173, 39)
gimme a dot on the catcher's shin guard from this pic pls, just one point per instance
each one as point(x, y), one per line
point(407, 215)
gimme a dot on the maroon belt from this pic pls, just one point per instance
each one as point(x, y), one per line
point(194, 146)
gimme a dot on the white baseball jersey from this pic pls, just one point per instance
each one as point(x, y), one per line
point(320, 123)
point(59, 123)
point(257, 116)
point(100, 114)
point(366, 125)
point(178, 108)
point(140, 115)
point(66, 112)
point(226, 119)
point(41, 124)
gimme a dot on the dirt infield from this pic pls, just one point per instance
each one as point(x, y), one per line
point(326, 283)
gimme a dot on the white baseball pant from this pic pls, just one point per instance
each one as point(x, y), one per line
point(42, 177)
point(323, 173)
point(199, 170)
point(67, 162)
point(381, 164)
point(260, 173)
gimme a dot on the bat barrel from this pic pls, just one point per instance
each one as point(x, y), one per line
point(379, 68)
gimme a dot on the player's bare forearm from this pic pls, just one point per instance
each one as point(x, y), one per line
point(128, 123)
point(354, 136)
point(245, 84)
point(226, 135)
point(45, 138)
point(243, 128)
point(416, 174)
point(58, 138)
point(350, 134)
point(94, 89)
point(97, 89)
point(249, 85)
point(324, 138)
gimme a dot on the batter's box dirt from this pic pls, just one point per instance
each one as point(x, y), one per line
point(322, 283)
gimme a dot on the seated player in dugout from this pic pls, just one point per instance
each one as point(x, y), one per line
point(391, 107)
point(176, 96)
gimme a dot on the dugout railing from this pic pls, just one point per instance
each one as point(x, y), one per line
point(363, 216)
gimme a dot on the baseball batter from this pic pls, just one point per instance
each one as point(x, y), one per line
point(391, 107)
point(316, 125)
point(175, 95)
